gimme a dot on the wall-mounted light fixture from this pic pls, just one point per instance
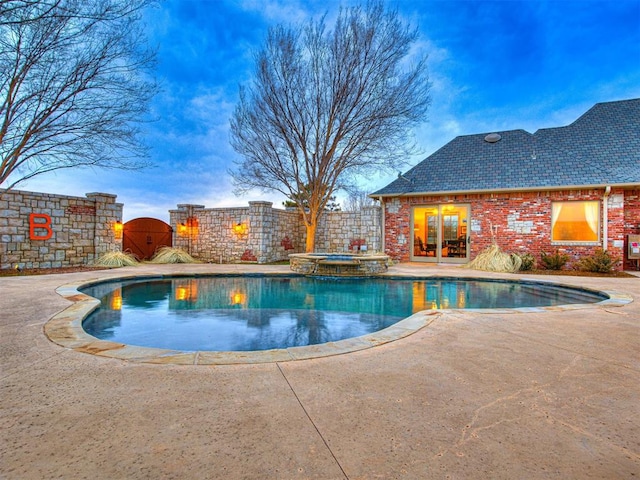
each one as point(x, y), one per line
point(239, 228)
point(189, 228)
point(118, 227)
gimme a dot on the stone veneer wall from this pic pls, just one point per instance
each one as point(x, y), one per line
point(522, 221)
point(342, 231)
point(270, 234)
point(42, 230)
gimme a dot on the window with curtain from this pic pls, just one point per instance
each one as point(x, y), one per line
point(575, 221)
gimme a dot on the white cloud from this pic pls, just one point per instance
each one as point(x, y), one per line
point(210, 104)
point(275, 11)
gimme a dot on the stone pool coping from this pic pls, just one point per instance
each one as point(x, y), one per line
point(65, 328)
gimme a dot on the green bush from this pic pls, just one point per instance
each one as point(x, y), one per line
point(600, 262)
point(528, 261)
point(554, 261)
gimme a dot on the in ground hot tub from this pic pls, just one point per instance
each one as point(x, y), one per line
point(339, 264)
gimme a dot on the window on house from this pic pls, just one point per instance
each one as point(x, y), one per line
point(575, 221)
point(450, 227)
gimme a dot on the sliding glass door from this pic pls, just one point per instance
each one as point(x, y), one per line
point(440, 233)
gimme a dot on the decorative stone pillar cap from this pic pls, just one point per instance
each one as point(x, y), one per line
point(185, 206)
point(100, 194)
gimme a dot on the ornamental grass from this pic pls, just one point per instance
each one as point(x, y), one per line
point(493, 259)
point(172, 255)
point(116, 259)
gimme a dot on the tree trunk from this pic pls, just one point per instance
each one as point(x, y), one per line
point(311, 236)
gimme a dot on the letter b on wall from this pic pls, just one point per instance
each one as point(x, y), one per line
point(40, 226)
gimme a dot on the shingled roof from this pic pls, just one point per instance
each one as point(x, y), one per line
point(600, 148)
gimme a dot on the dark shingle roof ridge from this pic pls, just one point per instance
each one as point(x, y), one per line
point(500, 132)
point(601, 146)
point(458, 138)
point(582, 141)
point(612, 103)
point(622, 100)
point(591, 112)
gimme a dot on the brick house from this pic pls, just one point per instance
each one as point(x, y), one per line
point(572, 189)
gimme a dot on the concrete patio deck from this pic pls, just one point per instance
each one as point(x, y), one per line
point(539, 395)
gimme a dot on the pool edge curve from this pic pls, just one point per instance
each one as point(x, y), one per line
point(65, 329)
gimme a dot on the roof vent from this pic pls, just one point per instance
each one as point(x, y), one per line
point(492, 138)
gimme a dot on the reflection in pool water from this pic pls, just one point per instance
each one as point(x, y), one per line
point(240, 313)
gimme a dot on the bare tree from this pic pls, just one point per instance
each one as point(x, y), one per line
point(357, 200)
point(74, 86)
point(300, 200)
point(327, 105)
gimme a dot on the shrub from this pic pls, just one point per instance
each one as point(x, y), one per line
point(528, 261)
point(554, 261)
point(600, 262)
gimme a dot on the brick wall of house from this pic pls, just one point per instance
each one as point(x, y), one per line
point(631, 220)
point(520, 221)
point(397, 226)
point(42, 230)
point(616, 229)
point(269, 234)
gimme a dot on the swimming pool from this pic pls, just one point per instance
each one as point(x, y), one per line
point(263, 312)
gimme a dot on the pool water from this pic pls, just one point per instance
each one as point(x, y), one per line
point(242, 313)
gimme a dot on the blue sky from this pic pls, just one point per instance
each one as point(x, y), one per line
point(494, 65)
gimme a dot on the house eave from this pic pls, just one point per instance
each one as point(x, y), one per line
point(505, 190)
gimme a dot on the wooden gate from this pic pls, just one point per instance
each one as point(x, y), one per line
point(143, 236)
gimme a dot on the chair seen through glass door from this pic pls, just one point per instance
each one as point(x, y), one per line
point(440, 233)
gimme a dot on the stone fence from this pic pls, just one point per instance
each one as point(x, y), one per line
point(42, 230)
point(262, 234)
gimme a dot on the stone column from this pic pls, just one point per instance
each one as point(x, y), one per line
point(261, 230)
point(371, 227)
point(185, 233)
point(107, 214)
